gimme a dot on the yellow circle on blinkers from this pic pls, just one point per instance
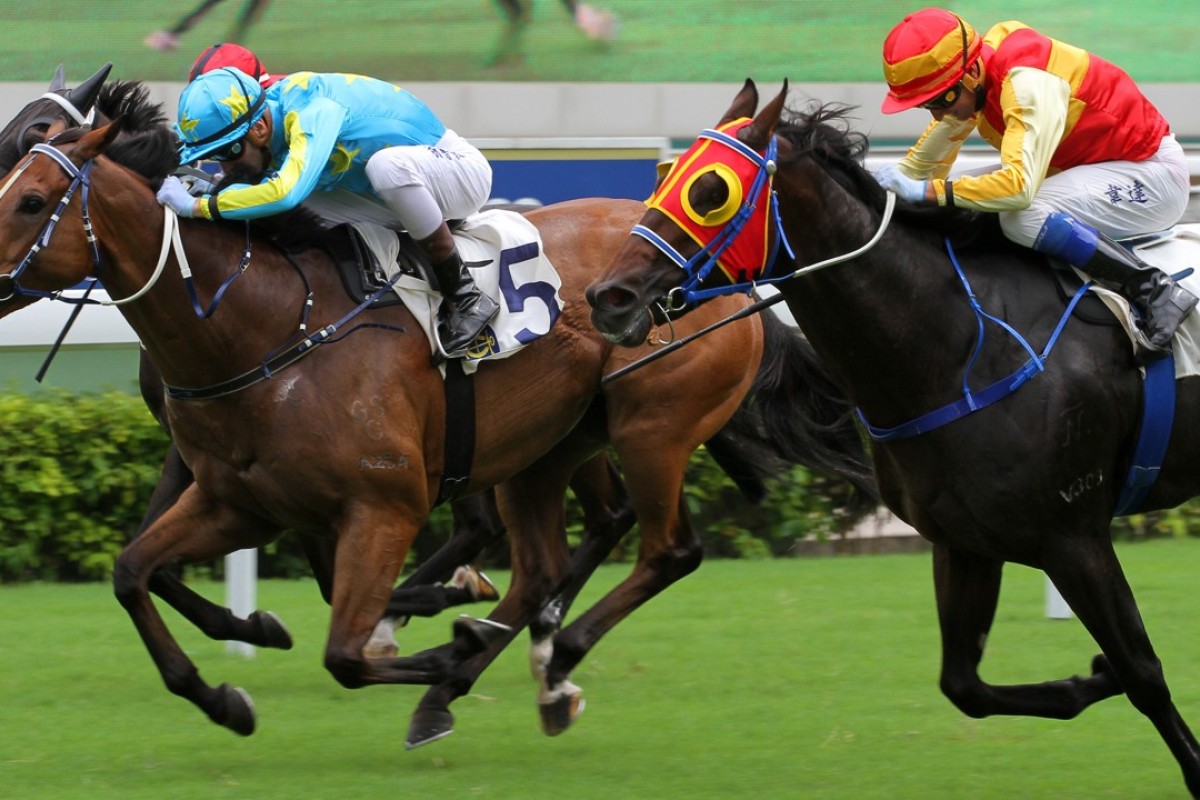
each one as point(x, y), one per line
point(733, 201)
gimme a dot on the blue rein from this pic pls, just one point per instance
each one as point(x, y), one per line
point(974, 401)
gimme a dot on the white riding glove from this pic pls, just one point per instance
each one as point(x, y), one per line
point(175, 196)
point(890, 177)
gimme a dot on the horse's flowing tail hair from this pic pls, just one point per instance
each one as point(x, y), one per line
point(793, 415)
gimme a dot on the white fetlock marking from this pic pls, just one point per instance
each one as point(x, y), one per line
point(546, 695)
point(540, 652)
point(383, 638)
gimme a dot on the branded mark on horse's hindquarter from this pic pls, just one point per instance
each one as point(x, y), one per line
point(371, 415)
point(383, 461)
point(1072, 424)
point(1076, 488)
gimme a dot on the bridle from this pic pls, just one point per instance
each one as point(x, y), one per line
point(10, 286)
point(702, 263)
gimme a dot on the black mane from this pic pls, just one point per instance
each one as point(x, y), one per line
point(146, 145)
point(823, 133)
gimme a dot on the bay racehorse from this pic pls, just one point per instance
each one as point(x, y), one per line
point(746, 456)
point(1033, 478)
point(289, 452)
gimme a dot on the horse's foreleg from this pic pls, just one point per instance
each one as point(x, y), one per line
point(193, 529)
point(1093, 584)
point(532, 503)
point(968, 588)
point(669, 550)
point(608, 515)
point(445, 579)
point(372, 544)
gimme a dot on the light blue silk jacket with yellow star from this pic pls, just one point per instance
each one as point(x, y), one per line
point(326, 127)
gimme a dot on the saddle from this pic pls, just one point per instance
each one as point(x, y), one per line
point(359, 268)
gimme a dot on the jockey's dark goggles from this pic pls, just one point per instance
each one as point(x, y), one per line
point(229, 152)
point(944, 100)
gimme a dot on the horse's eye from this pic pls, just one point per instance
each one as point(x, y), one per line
point(31, 204)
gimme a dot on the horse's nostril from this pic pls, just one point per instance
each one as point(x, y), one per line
point(610, 296)
point(616, 297)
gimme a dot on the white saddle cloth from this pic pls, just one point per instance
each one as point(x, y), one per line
point(1174, 251)
point(503, 250)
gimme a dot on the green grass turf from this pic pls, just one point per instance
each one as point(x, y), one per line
point(807, 678)
point(659, 40)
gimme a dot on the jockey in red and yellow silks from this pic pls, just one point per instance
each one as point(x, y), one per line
point(1084, 110)
point(1084, 156)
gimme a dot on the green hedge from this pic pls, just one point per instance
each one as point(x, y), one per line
point(76, 472)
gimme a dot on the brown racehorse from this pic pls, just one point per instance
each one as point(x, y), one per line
point(747, 457)
point(297, 452)
point(1032, 478)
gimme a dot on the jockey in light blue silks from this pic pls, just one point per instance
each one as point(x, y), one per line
point(320, 131)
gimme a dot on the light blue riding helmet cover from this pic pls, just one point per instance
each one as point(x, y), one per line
point(215, 110)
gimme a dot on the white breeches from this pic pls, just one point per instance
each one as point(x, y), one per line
point(1117, 198)
point(426, 185)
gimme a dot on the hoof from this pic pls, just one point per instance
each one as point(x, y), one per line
point(560, 708)
point(275, 633)
point(237, 710)
point(428, 725)
point(479, 586)
point(479, 632)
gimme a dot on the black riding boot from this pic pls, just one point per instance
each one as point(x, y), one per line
point(1161, 303)
point(465, 311)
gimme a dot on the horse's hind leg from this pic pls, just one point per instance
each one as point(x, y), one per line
point(967, 588)
point(1093, 584)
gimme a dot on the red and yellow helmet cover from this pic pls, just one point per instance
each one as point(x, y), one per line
point(745, 258)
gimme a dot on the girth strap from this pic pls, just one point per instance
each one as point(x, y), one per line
point(1158, 416)
point(459, 433)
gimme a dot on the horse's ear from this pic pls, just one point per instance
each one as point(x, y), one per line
point(60, 80)
point(94, 142)
point(83, 96)
point(743, 105)
point(760, 131)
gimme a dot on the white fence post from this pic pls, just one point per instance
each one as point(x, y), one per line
point(241, 590)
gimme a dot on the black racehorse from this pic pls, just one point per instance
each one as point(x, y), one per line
point(1033, 478)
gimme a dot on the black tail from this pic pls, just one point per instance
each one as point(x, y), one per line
point(794, 414)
